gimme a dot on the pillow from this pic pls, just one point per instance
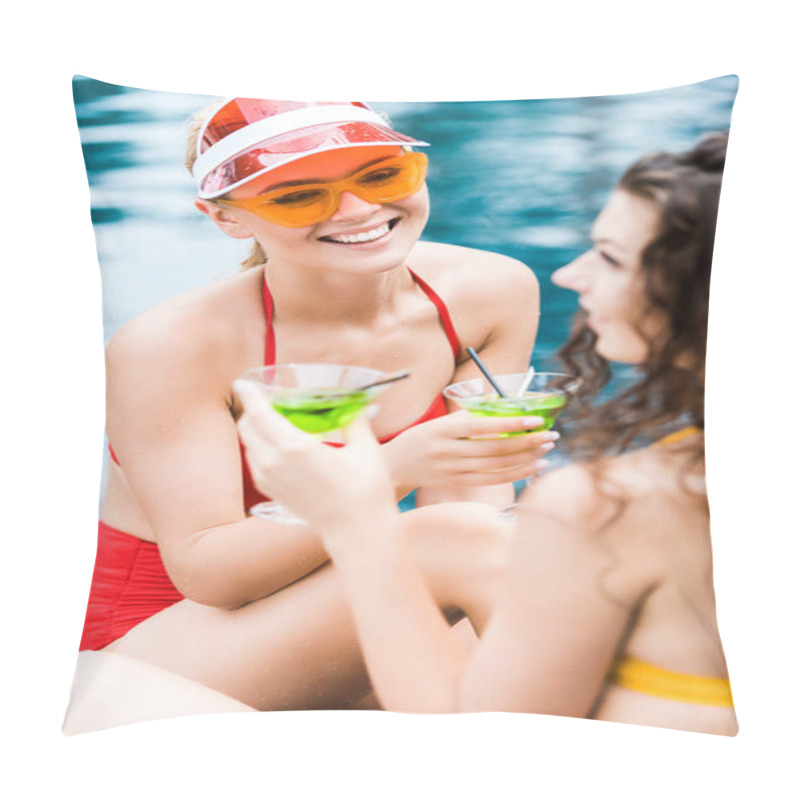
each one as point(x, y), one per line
point(180, 626)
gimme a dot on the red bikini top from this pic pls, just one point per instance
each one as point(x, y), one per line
point(437, 408)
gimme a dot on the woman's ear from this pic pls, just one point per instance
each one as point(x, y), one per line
point(223, 220)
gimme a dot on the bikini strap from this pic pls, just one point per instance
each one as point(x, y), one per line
point(269, 308)
point(677, 436)
point(444, 314)
point(641, 676)
point(441, 308)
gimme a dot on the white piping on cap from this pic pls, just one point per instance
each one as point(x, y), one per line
point(264, 129)
point(291, 158)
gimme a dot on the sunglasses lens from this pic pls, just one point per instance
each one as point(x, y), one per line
point(391, 180)
point(298, 207)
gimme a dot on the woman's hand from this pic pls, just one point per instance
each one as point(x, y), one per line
point(462, 450)
point(327, 486)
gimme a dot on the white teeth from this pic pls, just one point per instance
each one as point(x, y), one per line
point(365, 236)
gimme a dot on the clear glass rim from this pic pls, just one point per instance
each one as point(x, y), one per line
point(256, 373)
point(460, 390)
point(336, 378)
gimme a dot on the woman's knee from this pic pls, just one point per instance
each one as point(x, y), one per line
point(467, 537)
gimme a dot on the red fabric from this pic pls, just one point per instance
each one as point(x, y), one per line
point(129, 585)
point(444, 314)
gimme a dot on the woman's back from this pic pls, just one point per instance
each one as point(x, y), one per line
point(647, 517)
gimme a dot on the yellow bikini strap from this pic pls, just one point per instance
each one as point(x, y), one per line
point(640, 676)
point(683, 433)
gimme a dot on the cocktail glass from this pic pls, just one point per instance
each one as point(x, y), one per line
point(318, 399)
point(545, 395)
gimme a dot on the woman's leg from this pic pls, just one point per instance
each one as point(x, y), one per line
point(462, 549)
point(297, 648)
point(293, 649)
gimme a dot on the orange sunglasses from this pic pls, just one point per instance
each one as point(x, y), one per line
point(304, 204)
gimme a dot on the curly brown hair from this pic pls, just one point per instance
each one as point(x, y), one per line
point(676, 265)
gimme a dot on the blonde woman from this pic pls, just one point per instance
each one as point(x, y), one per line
point(334, 201)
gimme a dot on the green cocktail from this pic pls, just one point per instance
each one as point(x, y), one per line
point(321, 411)
point(546, 405)
point(542, 394)
point(318, 399)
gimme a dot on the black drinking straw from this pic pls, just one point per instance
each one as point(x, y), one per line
point(397, 376)
point(482, 367)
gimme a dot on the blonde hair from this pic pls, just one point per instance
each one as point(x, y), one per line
point(257, 257)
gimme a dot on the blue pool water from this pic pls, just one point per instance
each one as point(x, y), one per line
point(524, 178)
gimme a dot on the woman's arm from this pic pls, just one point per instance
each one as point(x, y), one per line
point(355, 505)
point(414, 661)
point(170, 423)
point(565, 606)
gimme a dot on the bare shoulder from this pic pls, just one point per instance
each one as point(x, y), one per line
point(570, 494)
point(493, 299)
point(481, 273)
point(645, 503)
point(204, 326)
point(581, 518)
point(649, 478)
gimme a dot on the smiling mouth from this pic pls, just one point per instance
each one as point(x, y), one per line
point(371, 235)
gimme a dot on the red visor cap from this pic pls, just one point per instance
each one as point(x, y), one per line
point(245, 138)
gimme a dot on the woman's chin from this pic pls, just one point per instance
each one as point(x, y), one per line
point(366, 262)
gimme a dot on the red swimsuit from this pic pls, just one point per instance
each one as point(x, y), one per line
point(130, 583)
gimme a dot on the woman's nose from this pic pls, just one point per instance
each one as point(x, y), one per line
point(575, 275)
point(351, 206)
